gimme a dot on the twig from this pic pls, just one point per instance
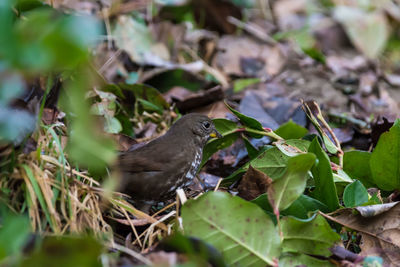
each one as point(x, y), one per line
point(132, 253)
point(253, 29)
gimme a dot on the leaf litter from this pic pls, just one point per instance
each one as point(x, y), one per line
point(342, 75)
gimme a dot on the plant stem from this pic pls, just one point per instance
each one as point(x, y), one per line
point(265, 133)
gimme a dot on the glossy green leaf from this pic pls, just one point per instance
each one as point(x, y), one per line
point(286, 189)
point(245, 120)
point(325, 190)
point(251, 150)
point(295, 259)
point(291, 130)
point(271, 161)
point(314, 113)
point(385, 159)
point(356, 164)
point(342, 177)
point(239, 229)
point(355, 194)
point(299, 208)
point(313, 236)
point(303, 205)
point(292, 147)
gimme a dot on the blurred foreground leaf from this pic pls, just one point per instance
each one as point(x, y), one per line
point(66, 251)
point(45, 40)
point(86, 145)
point(14, 232)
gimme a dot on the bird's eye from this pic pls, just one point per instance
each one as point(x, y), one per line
point(206, 124)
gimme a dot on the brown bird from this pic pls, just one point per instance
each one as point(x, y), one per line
point(153, 172)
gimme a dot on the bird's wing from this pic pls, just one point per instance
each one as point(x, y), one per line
point(134, 162)
point(149, 158)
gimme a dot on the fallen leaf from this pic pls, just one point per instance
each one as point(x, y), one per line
point(380, 233)
point(244, 56)
point(368, 31)
point(253, 184)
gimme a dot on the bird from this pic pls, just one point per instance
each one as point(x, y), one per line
point(153, 172)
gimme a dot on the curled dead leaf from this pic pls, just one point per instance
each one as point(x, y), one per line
point(253, 184)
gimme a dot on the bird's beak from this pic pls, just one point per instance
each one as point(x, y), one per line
point(215, 134)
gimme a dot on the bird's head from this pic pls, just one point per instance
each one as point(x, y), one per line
point(200, 126)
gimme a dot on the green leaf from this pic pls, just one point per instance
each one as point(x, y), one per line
point(291, 130)
point(292, 147)
point(355, 194)
point(303, 205)
point(240, 84)
point(299, 208)
point(356, 164)
point(147, 105)
point(246, 121)
point(272, 162)
point(39, 196)
point(341, 177)
point(14, 232)
point(314, 113)
point(325, 190)
point(251, 150)
point(385, 159)
point(228, 130)
point(313, 236)
point(290, 260)
point(240, 230)
point(112, 125)
point(286, 189)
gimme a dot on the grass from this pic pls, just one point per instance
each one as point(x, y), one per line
point(61, 199)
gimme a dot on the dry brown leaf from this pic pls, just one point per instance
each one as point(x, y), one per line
point(245, 56)
point(380, 233)
point(253, 184)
